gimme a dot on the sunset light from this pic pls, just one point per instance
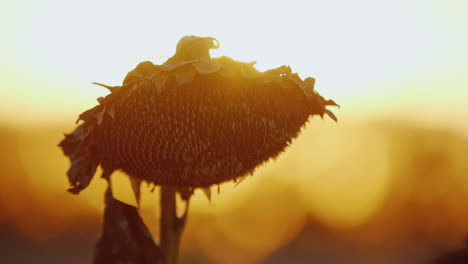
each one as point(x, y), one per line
point(392, 169)
point(364, 54)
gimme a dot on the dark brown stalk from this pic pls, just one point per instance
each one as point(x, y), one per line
point(172, 226)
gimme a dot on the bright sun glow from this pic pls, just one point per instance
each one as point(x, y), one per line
point(364, 54)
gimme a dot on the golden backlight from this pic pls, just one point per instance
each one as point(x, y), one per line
point(402, 63)
point(364, 54)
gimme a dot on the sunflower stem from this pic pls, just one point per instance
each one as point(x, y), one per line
point(172, 227)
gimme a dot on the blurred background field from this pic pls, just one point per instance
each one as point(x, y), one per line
point(386, 184)
point(382, 191)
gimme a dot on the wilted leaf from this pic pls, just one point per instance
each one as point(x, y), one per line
point(453, 257)
point(248, 71)
point(276, 75)
point(287, 84)
point(160, 82)
point(136, 187)
point(207, 192)
point(281, 70)
point(127, 90)
point(185, 193)
point(331, 115)
point(143, 69)
point(89, 114)
point(207, 67)
point(83, 166)
point(331, 103)
point(172, 66)
point(294, 78)
point(237, 181)
point(229, 67)
point(81, 172)
point(185, 76)
point(111, 110)
point(125, 238)
point(310, 82)
point(110, 88)
point(100, 115)
point(72, 143)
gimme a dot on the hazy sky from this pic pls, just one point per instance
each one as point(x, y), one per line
point(371, 56)
point(390, 58)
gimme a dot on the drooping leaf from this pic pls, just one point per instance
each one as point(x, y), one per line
point(185, 193)
point(173, 66)
point(111, 110)
point(229, 67)
point(294, 78)
point(207, 192)
point(185, 75)
point(207, 67)
point(136, 187)
point(310, 83)
point(72, 143)
point(331, 115)
point(142, 70)
point(128, 90)
point(238, 181)
point(275, 75)
point(100, 115)
point(331, 103)
point(110, 88)
point(89, 114)
point(125, 237)
point(249, 72)
point(453, 257)
point(81, 172)
point(160, 83)
point(83, 166)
